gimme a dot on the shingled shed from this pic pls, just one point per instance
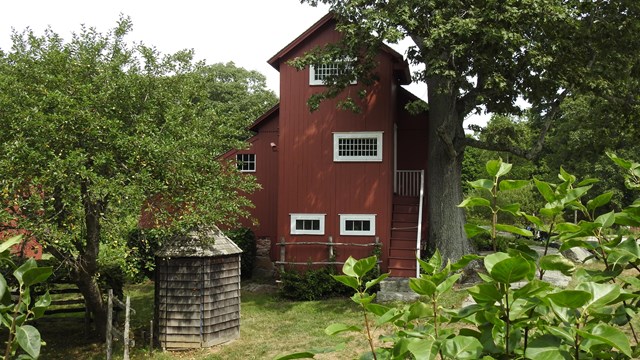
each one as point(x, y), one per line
point(197, 291)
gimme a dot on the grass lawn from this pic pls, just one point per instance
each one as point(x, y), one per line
point(270, 326)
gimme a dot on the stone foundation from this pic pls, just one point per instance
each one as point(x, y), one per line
point(263, 267)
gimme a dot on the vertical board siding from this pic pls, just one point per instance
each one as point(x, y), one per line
point(197, 301)
point(309, 180)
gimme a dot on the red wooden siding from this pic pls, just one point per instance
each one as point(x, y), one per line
point(266, 198)
point(309, 180)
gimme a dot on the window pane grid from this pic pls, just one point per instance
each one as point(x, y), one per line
point(323, 72)
point(307, 224)
point(246, 162)
point(357, 147)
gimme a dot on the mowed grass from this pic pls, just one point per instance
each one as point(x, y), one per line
point(269, 326)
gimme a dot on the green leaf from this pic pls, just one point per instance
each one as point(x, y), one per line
point(377, 309)
point(602, 294)
point(485, 293)
point(419, 310)
point(514, 230)
point(545, 190)
point(7, 244)
point(572, 299)
point(625, 164)
point(347, 280)
point(19, 272)
point(423, 349)
point(606, 220)
point(422, 286)
point(512, 209)
point(300, 355)
point(565, 176)
point(482, 184)
point(491, 259)
point(473, 230)
point(475, 201)
point(363, 266)
point(446, 285)
point(506, 185)
point(511, 270)
point(609, 335)
point(334, 329)
point(546, 347)
point(29, 339)
point(347, 267)
point(557, 262)
point(36, 275)
point(462, 347)
point(600, 200)
point(464, 261)
point(534, 220)
point(375, 281)
point(567, 227)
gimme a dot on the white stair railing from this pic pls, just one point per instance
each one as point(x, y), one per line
point(408, 182)
point(419, 239)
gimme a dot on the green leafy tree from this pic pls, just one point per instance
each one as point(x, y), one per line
point(479, 53)
point(94, 128)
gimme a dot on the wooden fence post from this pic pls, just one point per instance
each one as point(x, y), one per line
point(282, 253)
point(332, 256)
point(151, 336)
point(126, 329)
point(378, 252)
point(109, 322)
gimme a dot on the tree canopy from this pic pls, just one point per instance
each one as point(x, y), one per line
point(94, 127)
point(484, 54)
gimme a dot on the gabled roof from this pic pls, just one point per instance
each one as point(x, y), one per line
point(401, 67)
point(267, 115)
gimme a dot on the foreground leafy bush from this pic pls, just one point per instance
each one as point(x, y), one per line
point(14, 314)
point(516, 313)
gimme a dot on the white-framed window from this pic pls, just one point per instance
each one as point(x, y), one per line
point(307, 224)
point(320, 73)
point(246, 162)
point(357, 224)
point(357, 146)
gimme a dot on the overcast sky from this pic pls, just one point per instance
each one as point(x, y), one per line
point(246, 32)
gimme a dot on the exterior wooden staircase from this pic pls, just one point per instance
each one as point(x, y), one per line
point(404, 235)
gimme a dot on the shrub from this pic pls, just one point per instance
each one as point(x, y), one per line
point(246, 240)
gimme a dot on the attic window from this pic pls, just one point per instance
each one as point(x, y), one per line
point(246, 162)
point(357, 146)
point(320, 73)
point(307, 224)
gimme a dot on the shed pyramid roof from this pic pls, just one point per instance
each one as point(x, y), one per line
point(199, 243)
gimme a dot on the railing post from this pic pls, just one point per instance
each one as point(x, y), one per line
point(282, 253)
point(419, 237)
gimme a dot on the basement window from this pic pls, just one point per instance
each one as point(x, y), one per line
point(357, 224)
point(307, 224)
point(246, 162)
point(357, 146)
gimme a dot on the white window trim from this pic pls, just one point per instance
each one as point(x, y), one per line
point(314, 82)
point(366, 217)
point(255, 162)
point(303, 216)
point(357, 135)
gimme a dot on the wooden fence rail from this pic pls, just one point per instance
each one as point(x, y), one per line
point(330, 255)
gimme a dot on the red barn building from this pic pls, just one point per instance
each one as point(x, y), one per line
point(335, 175)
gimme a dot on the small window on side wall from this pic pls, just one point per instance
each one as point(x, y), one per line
point(357, 224)
point(307, 224)
point(357, 146)
point(246, 162)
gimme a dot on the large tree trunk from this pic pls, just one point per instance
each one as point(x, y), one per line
point(444, 188)
point(86, 265)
